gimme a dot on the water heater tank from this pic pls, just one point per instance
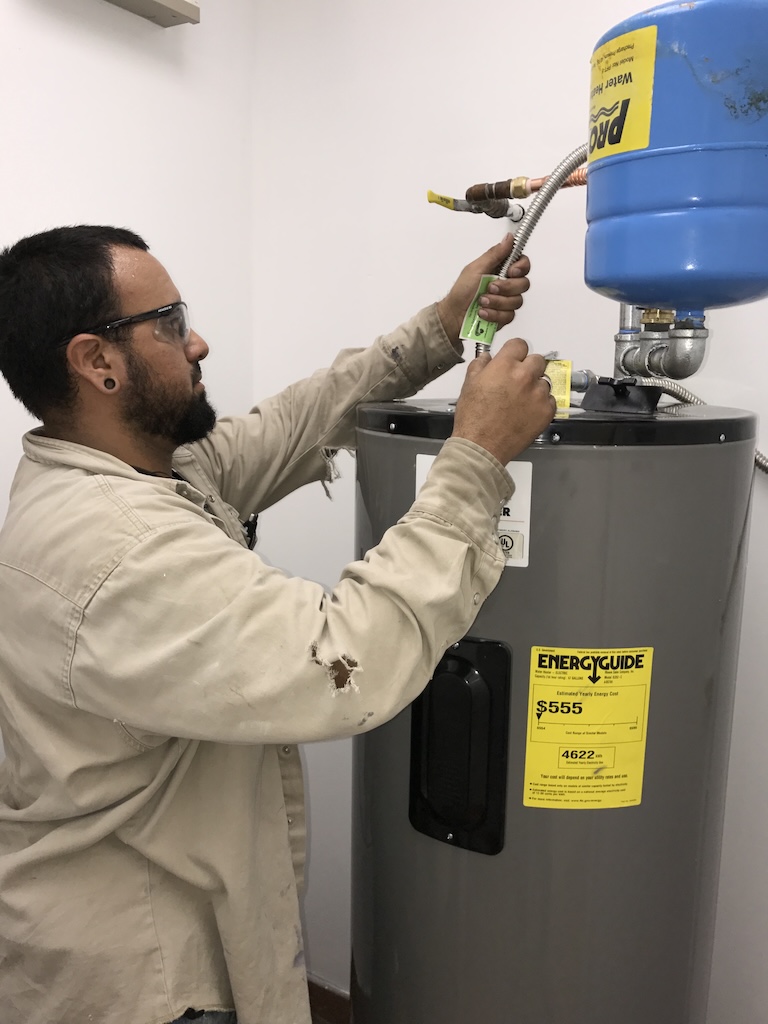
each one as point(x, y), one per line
point(536, 840)
point(677, 198)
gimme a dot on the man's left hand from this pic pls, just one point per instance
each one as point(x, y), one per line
point(504, 296)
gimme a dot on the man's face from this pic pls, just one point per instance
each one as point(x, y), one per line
point(155, 406)
point(163, 396)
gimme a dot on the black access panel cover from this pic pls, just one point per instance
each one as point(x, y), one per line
point(459, 740)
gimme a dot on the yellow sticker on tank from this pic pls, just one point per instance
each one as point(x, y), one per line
point(587, 725)
point(621, 96)
point(559, 373)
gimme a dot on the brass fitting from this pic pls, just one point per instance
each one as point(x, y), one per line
point(658, 316)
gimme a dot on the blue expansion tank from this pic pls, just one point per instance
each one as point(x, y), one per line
point(677, 186)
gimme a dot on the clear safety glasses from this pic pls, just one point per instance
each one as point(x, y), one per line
point(172, 321)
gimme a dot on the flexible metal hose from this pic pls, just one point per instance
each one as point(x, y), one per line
point(537, 207)
point(542, 200)
point(671, 387)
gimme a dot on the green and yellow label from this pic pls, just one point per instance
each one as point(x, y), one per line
point(621, 96)
point(474, 328)
point(587, 725)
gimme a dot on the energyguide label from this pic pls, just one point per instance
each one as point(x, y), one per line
point(587, 725)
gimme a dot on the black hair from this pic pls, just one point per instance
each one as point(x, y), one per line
point(54, 285)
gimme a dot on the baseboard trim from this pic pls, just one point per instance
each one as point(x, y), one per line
point(332, 1006)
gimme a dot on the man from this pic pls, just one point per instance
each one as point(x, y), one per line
point(155, 675)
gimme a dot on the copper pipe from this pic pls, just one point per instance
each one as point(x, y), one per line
point(519, 188)
point(578, 177)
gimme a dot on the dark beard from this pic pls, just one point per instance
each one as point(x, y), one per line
point(154, 410)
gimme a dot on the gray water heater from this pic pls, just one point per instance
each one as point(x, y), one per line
point(537, 838)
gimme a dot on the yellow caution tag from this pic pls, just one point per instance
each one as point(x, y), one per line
point(559, 372)
point(587, 725)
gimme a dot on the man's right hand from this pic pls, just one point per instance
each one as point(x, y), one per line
point(504, 403)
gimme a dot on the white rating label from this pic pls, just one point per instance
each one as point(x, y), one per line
point(512, 543)
point(515, 518)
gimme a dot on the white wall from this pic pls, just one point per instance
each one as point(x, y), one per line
point(361, 107)
point(106, 118)
point(277, 158)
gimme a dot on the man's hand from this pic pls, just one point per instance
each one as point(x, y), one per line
point(504, 403)
point(503, 298)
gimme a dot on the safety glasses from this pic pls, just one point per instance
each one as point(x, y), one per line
point(172, 321)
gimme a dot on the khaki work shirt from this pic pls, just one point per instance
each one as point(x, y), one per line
point(156, 676)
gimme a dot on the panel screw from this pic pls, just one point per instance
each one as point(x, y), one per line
point(722, 438)
point(555, 439)
point(449, 837)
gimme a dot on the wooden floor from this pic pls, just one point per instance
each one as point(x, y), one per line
point(327, 1007)
point(318, 1018)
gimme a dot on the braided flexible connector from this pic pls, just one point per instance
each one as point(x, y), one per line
point(534, 212)
point(542, 200)
point(671, 387)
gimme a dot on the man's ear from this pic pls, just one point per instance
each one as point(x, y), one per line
point(95, 361)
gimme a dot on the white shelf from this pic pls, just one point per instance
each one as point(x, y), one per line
point(165, 13)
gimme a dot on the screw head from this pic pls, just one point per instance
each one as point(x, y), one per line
point(555, 439)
